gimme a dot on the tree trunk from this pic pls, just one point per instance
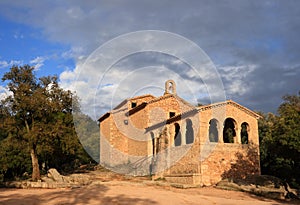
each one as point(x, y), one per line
point(35, 165)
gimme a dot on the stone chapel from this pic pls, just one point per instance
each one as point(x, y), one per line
point(167, 137)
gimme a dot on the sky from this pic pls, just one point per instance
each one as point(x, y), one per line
point(254, 47)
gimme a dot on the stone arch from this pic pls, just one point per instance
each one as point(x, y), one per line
point(177, 136)
point(245, 129)
point(170, 87)
point(189, 134)
point(229, 130)
point(213, 132)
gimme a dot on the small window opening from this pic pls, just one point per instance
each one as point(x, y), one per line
point(229, 130)
point(213, 131)
point(133, 104)
point(177, 137)
point(172, 114)
point(189, 134)
point(244, 133)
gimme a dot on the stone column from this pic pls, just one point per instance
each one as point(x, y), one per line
point(237, 139)
point(220, 133)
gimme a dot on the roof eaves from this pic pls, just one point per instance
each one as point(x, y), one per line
point(103, 117)
point(141, 96)
point(228, 102)
point(136, 109)
point(172, 119)
point(121, 104)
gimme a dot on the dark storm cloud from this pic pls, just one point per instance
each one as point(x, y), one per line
point(237, 35)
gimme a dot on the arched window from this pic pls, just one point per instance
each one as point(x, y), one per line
point(177, 137)
point(189, 134)
point(229, 132)
point(213, 133)
point(244, 133)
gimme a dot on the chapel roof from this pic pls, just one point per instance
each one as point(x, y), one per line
point(229, 102)
point(171, 92)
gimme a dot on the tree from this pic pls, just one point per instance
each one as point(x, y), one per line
point(265, 129)
point(88, 132)
point(41, 114)
point(286, 139)
point(14, 156)
point(14, 160)
point(280, 141)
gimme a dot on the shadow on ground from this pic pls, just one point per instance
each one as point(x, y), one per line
point(84, 195)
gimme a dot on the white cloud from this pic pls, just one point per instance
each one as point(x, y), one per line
point(248, 35)
point(177, 62)
point(6, 64)
point(75, 52)
point(18, 36)
point(38, 62)
point(131, 74)
point(237, 78)
point(4, 93)
point(67, 76)
point(100, 89)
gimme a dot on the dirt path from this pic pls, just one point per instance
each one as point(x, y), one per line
point(128, 193)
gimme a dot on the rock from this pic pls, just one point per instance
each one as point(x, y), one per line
point(267, 186)
point(265, 181)
point(55, 175)
point(228, 185)
point(53, 180)
point(275, 194)
point(47, 179)
point(80, 179)
point(292, 193)
point(73, 179)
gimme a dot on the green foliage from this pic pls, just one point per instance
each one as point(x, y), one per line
point(15, 160)
point(88, 133)
point(213, 131)
point(244, 134)
point(229, 131)
point(213, 137)
point(280, 141)
point(229, 135)
point(37, 121)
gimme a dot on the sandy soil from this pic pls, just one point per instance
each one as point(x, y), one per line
point(129, 193)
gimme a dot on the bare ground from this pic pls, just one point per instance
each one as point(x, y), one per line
point(117, 192)
point(111, 188)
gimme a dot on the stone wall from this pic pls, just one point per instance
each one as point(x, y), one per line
point(228, 111)
point(184, 178)
point(229, 161)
